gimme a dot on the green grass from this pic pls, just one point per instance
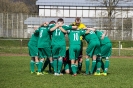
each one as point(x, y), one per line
point(24, 50)
point(14, 73)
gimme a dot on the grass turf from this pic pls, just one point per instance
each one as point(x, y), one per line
point(14, 73)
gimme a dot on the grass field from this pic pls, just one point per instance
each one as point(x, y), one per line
point(14, 73)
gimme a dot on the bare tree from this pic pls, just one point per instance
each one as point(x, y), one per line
point(5, 6)
point(110, 6)
point(19, 7)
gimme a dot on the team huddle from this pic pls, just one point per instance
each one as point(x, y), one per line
point(47, 45)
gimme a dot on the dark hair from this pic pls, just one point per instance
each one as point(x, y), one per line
point(52, 22)
point(77, 19)
point(60, 20)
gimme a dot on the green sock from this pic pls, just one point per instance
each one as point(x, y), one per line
point(93, 66)
point(98, 65)
point(40, 66)
point(37, 64)
point(59, 65)
point(32, 65)
point(73, 68)
point(106, 65)
point(45, 64)
point(87, 64)
point(76, 68)
point(55, 65)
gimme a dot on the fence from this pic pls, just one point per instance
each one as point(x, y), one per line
point(19, 46)
point(12, 26)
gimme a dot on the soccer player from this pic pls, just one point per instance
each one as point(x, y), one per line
point(44, 45)
point(92, 51)
point(80, 26)
point(59, 44)
point(106, 49)
point(74, 47)
point(50, 59)
point(33, 51)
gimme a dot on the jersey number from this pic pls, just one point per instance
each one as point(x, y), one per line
point(76, 37)
point(57, 32)
point(41, 33)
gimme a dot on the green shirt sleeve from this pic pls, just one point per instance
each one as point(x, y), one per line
point(82, 32)
point(50, 26)
point(67, 27)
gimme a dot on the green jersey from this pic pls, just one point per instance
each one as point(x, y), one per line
point(34, 39)
point(58, 37)
point(91, 35)
point(74, 36)
point(44, 37)
point(99, 33)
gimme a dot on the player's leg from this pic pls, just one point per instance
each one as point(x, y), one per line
point(106, 52)
point(87, 59)
point(102, 64)
point(33, 52)
point(77, 53)
point(80, 57)
point(106, 65)
point(89, 53)
point(93, 64)
point(87, 65)
point(48, 54)
point(44, 66)
point(72, 58)
point(36, 61)
point(98, 64)
point(73, 67)
point(55, 53)
point(41, 61)
point(32, 63)
point(51, 61)
point(50, 64)
point(93, 46)
point(62, 53)
point(96, 55)
point(67, 68)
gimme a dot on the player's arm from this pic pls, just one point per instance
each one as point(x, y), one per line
point(74, 27)
point(104, 34)
point(55, 27)
point(62, 30)
point(92, 29)
point(36, 30)
point(87, 31)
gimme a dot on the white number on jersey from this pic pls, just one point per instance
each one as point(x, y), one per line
point(57, 32)
point(76, 37)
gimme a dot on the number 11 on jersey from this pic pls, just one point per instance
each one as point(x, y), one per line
point(76, 37)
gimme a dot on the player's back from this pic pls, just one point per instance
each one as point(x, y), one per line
point(99, 33)
point(91, 35)
point(33, 39)
point(44, 37)
point(74, 37)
